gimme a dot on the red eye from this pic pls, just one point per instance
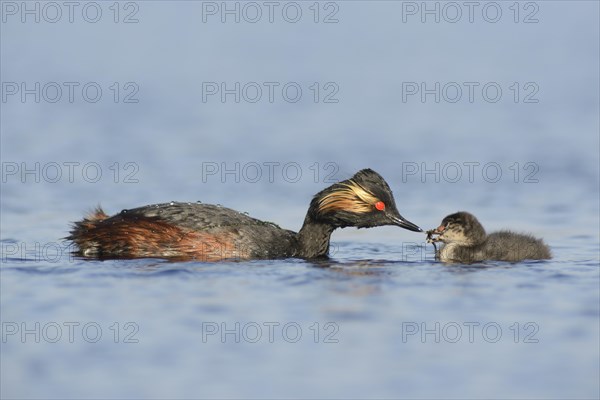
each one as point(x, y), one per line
point(380, 205)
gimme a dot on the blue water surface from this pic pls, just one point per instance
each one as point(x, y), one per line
point(382, 85)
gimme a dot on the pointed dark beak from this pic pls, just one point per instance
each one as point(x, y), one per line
point(403, 223)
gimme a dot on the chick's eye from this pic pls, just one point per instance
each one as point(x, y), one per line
point(380, 205)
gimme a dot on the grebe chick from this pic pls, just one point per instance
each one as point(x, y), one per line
point(465, 241)
point(214, 233)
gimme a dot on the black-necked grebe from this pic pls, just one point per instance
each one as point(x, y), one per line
point(465, 241)
point(213, 233)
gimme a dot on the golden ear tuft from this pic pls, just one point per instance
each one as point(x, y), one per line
point(350, 197)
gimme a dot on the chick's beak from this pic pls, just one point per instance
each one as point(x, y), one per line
point(403, 223)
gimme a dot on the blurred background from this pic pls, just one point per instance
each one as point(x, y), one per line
point(490, 107)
